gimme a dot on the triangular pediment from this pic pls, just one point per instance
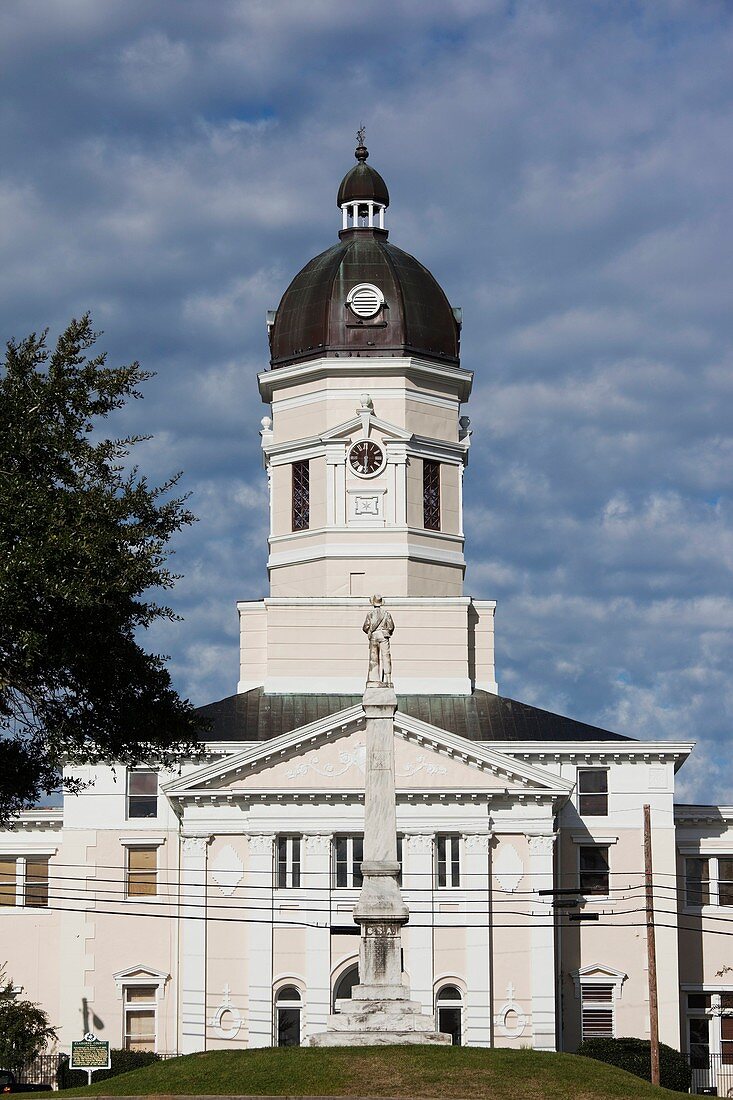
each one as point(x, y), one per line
point(356, 423)
point(331, 754)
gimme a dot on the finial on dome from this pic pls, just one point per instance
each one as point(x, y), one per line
point(362, 152)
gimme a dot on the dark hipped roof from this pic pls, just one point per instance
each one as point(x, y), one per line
point(254, 716)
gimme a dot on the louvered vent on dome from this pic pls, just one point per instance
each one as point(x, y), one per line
point(365, 300)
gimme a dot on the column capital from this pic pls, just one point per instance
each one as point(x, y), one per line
point(477, 842)
point(318, 843)
point(542, 844)
point(260, 843)
point(195, 845)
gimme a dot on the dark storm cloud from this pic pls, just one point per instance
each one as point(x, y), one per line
point(564, 169)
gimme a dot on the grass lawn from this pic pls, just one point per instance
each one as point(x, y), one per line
point(468, 1072)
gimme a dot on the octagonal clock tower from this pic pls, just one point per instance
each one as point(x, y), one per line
point(365, 448)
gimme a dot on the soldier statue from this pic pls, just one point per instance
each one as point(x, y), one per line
point(379, 626)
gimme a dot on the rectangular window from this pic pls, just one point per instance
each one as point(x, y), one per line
point(36, 882)
point(8, 881)
point(593, 792)
point(142, 793)
point(447, 860)
point(597, 1011)
point(593, 868)
point(697, 881)
point(301, 496)
point(142, 872)
point(348, 854)
point(288, 862)
point(431, 494)
point(24, 881)
point(725, 880)
point(140, 1017)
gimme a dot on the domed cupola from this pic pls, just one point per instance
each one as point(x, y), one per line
point(363, 296)
point(362, 185)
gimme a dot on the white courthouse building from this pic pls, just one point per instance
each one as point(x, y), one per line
point(212, 907)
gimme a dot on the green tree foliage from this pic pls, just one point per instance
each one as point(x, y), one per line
point(24, 1027)
point(83, 539)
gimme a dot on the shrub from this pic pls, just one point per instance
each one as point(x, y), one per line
point(634, 1055)
point(122, 1062)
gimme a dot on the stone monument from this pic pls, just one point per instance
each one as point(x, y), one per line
point(380, 1010)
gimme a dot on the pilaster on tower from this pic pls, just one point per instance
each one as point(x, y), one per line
point(365, 449)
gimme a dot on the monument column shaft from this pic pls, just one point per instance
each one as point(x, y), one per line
point(380, 816)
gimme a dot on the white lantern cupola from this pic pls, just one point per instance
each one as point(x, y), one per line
point(363, 196)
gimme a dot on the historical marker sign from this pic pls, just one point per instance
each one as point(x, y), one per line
point(90, 1054)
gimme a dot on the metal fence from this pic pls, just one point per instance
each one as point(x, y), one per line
point(40, 1071)
point(711, 1075)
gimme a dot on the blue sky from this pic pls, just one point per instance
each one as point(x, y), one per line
point(563, 168)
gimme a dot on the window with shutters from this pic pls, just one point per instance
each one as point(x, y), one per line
point(593, 792)
point(447, 860)
point(288, 862)
point(140, 1017)
point(597, 1011)
point(301, 496)
point(24, 881)
point(431, 494)
point(142, 793)
point(142, 872)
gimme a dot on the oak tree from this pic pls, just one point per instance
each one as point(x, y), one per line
point(83, 553)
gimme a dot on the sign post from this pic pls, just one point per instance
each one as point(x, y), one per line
point(90, 1054)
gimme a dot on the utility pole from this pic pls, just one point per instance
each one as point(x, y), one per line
point(651, 948)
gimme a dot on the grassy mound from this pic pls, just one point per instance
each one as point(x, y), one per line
point(466, 1072)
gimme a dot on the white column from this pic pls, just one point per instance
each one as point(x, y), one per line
point(355, 214)
point(193, 944)
point(400, 504)
point(371, 214)
point(258, 891)
point(542, 941)
point(335, 457)
point(417, 878)
point(340, 488)
point(315, 879)
point(381, 217)
point(478, 979)
point(344, 217)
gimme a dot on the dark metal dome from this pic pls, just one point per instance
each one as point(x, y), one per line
point(314, 320)
point(362, 182)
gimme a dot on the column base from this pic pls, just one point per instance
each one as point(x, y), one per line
point(382, 1022)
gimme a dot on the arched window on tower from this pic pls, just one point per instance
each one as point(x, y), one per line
point(288, 1005)
point(449, 1012)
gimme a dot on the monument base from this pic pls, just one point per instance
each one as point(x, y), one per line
point(379, 1023)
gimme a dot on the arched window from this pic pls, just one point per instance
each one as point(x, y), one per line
point(345, 984)
point(288, 1003)
point(449, 1011)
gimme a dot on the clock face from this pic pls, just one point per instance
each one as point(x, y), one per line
point(366, 457)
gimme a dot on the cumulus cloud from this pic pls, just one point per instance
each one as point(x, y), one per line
point(563, 169)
